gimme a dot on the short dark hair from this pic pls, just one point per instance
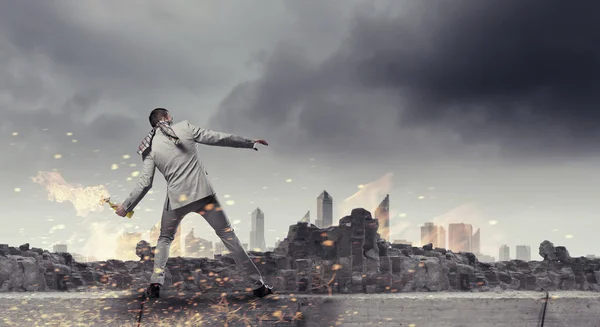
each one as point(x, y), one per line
point(156, 115)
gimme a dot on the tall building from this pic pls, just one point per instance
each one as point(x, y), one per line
point(257, 231)
point(476, 242)
point(441, 237)
point(153, 234)
point(324, 210)
point(382, 213)
point(220, 248)
point(459, 237)
point(277, 241)
point(523, 252)
point(197, 247)
point(59, 248)
point(176, 245)
point(504, 253)
point(126, 244)
point(429, 234)
point(306, 218)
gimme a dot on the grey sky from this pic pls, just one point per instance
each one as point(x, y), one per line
point(489, 105)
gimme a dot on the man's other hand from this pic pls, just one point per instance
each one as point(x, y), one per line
point(263, 142)
point(120, 211)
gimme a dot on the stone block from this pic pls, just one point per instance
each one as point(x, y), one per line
point(290, 280)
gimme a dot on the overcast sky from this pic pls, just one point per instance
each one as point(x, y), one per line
point(484, 112)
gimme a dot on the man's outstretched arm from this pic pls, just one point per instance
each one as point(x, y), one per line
point(144, 184)
point(208, 137)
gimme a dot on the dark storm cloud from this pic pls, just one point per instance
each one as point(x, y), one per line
point(520, 76)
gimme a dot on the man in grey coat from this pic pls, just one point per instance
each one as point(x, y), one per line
point(172, 149)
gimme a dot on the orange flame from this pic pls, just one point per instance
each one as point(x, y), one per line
point(84, 199)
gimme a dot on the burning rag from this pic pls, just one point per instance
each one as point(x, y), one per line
point(165, 127)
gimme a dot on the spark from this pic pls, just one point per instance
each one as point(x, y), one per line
point(74, 141)
point(114, 167)
point(132, 165)
point(402, 215)
point(493, 222)
point(568, 236)
point(129, 179)
point(57, 156)
point(289, 180)
point(15, 133)
point(361, 186)
point(126, 156)
point(237, 221)
point(135, 174)
point(226, 196)
point(421, 197)
point(230, 202)
point(17, 189)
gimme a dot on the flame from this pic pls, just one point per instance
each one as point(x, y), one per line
point(84, 199)
point(369, 196)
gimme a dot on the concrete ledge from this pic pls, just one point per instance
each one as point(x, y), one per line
point(523, 309)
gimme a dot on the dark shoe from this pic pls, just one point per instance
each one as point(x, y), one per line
point(263, 291)
point(153, 291)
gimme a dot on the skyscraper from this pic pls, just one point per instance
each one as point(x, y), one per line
point(306, 218)
point(504, 254)
point(324, 210)
point(175, 250)
point(382, 213)
point(257, 231)
point(441, 237)
point(459, 237)
point(59, 248)
point(429, 234)
point(192, 245)
point(476, 242)
point(523, 252)
point(154, 233)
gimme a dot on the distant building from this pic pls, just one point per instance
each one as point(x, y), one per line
point(523, 252)
point(429, 234)
point(57, 248)
point(324, 210)
point(197, 247)
point(126, 244)
point(306, 218)
point(504, 253)
point(590, 257)
point(476, 242)
point(177, 244)
point(257, 231)
point(441, 237)
point(382, 213)
point(459, 237)
point(153, 234)
point(220, 248)
point(403, 242)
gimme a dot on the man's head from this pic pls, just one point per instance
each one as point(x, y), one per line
point(158, 115)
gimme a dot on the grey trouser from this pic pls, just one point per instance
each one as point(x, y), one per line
point(211, 210)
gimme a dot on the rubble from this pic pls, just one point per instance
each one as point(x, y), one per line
point(348, 258)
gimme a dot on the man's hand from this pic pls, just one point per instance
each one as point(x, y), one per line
point(120, 211)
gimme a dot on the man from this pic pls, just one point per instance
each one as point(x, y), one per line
point(172, 149)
